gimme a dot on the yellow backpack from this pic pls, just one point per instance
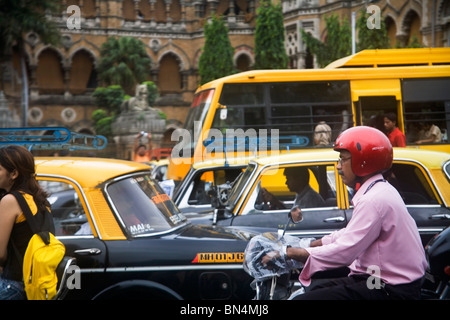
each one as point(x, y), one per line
point(43, 254)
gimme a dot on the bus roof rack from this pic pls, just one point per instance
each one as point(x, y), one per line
point(51, 138)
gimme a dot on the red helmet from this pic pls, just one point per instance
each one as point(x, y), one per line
point(371, 150)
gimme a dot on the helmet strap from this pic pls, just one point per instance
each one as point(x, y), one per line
point(358, 182)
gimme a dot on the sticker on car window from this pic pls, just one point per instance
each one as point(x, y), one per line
point(140, 228)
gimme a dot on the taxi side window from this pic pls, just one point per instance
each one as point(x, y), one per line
point(67, 211)
point(411, 183)
point(202, 184)
point(306, 186)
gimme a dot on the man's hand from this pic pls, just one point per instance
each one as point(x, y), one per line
point(270, 199)
point(272, 255)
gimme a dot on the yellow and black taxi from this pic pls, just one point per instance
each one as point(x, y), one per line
point(421, 176)
point(131, 241)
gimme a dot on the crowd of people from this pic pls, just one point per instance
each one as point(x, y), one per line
point(423, 132)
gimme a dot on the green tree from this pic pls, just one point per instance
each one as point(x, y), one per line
point(152, 92)
point(337, 44)
point(18, 18)
point(102, 122)
point(123, 62)
point(375, 38)
point(108, 100)
point(216, 60)
point(269, 37)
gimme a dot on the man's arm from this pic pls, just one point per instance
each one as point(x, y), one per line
point(298, 254)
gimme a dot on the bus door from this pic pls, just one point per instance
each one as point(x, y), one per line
point(374, 98)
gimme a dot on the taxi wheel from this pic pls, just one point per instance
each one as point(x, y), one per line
point(137, 289)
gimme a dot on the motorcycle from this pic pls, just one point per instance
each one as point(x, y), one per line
point(276, 281)
point(437, 278)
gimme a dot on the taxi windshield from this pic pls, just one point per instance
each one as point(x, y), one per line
point(239, 185)
point(143, 207)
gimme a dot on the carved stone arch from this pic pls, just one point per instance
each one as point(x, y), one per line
point(82, 71)
point(50, 71)
point(84, 48)
point(181, 62)
point(38, 52)
point(83, 126)
point(171, 79)
point(443, 12)
point(443, 20)
point(391, 28)
point(409, 25)
point(243, 58)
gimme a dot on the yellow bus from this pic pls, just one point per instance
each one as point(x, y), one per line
point(414, 84)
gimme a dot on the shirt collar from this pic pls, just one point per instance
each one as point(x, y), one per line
point(368, 183)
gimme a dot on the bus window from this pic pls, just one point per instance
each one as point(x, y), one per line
point(297, 107)
point(429, 97)
point(198, 110)
point(239, 118)
point(293, 108)
point(242, 94)
point(373, 108)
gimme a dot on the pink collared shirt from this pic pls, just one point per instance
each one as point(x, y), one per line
point(381, 235)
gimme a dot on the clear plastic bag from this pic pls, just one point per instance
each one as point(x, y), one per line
point(270, 244)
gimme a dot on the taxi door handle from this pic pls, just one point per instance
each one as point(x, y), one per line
point(443, 216)
point(90, 252)
point(334, 219)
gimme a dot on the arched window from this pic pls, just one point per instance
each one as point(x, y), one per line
point(412, 27)
point(49, 73)
point(145, 10)
point(169, 76)
point(243, 62)
point(391, 30)
point(82, 73)
point(160, 11)
point(89, 9)
point(128, 11)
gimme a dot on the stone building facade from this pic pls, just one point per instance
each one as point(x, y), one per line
point(62, 79)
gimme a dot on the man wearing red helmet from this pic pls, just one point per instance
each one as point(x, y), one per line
point(381, 244)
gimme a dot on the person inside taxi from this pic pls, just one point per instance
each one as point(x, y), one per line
point(143, 153)
point(380, 245)
point(17, 172)
point(297, 180)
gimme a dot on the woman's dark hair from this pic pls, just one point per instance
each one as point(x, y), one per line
point(20, 159)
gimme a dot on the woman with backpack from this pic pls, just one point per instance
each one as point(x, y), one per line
point(17, 173)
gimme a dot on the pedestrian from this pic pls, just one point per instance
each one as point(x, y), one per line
point(17, 173)
point(396, 137)
point(143, 153)
point(380, 245)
